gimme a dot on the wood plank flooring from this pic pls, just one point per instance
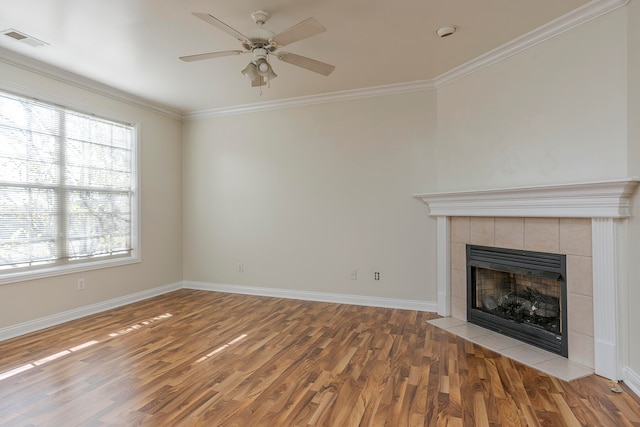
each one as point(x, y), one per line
point(197, 358)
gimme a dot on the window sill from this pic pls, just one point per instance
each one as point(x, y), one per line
point(61, 270)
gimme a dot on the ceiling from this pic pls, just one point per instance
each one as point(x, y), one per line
point(134, 45)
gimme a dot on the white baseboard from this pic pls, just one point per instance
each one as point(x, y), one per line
point(631, 379)
point(56, 319)
point(403, 304)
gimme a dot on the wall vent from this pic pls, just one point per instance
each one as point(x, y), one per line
point(24, 38)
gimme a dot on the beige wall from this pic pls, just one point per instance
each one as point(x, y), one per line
point(554, 113)
point(161, 217)
point(301, 197)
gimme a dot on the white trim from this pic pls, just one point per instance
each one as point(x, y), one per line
point(574, 18)
point(17, 60)
point(61, 270)
point(606, 203)
point(605, 297)
point(596, 199)
point(629, 376)
point(443, 270)
point(56, 319)
point(313, 100)
point(66, 102)
point(403, 304)
point(631, 379)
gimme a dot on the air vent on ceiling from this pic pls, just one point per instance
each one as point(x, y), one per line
point(24, 38)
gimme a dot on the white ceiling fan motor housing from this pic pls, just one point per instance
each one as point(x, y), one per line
point(260, 35)
point(260, 17)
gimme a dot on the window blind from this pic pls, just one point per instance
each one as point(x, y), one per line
point(66, 185)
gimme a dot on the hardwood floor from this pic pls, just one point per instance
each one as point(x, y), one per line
point(193, 358)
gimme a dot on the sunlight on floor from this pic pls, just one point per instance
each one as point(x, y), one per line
point(219, 349)
point(63, 353)
point(140, 325)
point(44, 360)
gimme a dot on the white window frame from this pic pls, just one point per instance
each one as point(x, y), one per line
point(134, 256)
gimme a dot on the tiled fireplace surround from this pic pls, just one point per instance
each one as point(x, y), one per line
point(570, 236)
point(581, 220)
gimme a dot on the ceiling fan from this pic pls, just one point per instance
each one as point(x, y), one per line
point(262, 42)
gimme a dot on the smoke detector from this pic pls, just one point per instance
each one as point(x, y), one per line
point(446, 31)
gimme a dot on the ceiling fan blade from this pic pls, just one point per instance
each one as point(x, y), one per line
point(221, 26)
point(307, 28)
point(308, 63)
point(210, 55)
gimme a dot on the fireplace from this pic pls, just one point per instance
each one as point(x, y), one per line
point(586, 221)
point(521, 294)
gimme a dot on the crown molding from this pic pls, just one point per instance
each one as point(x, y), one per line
point(595, 199)
point(302, 101)
point(585, 13)
point(574, 18)
point(17, 60)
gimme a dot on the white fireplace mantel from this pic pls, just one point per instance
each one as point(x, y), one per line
point(597, 199)
point(607, 203)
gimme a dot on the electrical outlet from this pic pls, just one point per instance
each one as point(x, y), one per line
point(81, 284)
point(376, 275)
point(354, 275)
point(240, 267)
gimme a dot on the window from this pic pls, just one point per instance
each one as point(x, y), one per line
point(67, 190)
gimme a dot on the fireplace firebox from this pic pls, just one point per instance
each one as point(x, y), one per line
point(521, 294)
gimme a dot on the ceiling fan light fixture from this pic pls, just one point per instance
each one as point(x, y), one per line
point(262, 42)
point(251, 71)
point(263, 69)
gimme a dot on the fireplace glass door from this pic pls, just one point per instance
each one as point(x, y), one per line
point(521, 294)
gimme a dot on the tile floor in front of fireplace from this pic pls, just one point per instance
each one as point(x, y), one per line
point(529, 355)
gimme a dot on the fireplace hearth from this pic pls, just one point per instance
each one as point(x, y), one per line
point(521, 294)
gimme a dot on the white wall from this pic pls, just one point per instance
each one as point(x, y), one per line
point(301, 197)
point(161, 217)
point(554, 113)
